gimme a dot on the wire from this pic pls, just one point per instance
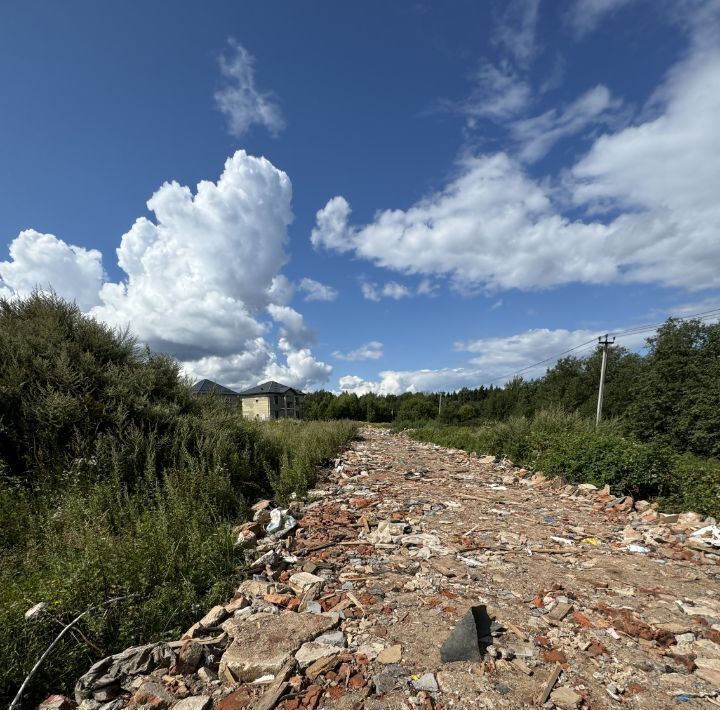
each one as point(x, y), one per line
point(637, 330)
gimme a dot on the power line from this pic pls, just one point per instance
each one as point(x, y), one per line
point(637, 330)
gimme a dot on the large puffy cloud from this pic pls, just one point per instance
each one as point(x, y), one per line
point(42, 261)
point(200, 277)
point(495, 227)
point(492, 225)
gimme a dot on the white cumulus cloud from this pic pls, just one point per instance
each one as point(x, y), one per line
point(648, 193)
point(44, 262)
point(199, 279)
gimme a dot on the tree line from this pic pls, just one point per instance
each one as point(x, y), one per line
point(670, 394)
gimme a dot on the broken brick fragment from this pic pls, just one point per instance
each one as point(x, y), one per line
point(554, 656)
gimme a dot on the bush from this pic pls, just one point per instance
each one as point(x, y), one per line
point(114, 481)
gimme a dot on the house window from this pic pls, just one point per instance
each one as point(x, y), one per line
point(276, 401)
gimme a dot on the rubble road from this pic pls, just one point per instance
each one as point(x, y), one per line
point(595, 601)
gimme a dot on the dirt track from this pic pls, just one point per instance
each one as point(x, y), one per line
point(522, 547)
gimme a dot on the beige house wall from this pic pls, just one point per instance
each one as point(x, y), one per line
point(256, 407)
point(272, 406)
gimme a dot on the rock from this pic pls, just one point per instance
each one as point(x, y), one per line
point(704, 648)
point(214, 617)
point(107, 693)
point(246, 539)
point(464, 643)
point(389, 655)
point(196, 702)
point(36, 612)
point(263, 646)
point(690, 519)
point(586, 488)
point(708, 669)
point(334, 638)
point(154, 694)
point(252, 588)
point(565, 697)
point(190, 657)
point(386, 532)
point(55, 702)
point(642, 505)
point(388, 679)
point(108, 672)
point(207, 675)
point(426, 682)
point(239, 700)
point(313, 651)
point(300, 582)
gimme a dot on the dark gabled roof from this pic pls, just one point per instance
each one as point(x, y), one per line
point(269, 388)
point(210, 387)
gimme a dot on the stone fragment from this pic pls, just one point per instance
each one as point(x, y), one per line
point(312, 651)
point(35, 612)
point(565, 698)
point(586, 488)
point(56, 702)
point(207, 675)
point(190, 657)
point(195, 702)
point(708, 669)
point(426, 682)
point(388, 679)
point(252, 588)
point(300, 582)
point(153, 694)
point(239, 700)
point(560, 611)
point(214, 617)
point(464, 643)
point(263, 646)
point(704, 648)
point(334, 638)
point(391, 654)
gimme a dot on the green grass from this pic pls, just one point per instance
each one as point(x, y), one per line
point(90, 535)
point(565, 444)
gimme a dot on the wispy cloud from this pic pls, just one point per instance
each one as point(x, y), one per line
point(586, 15)
point(370, 351)
point(316, 291)
point(240, 100)
point(395, 290)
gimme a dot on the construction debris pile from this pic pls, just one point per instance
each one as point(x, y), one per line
point(422, 577)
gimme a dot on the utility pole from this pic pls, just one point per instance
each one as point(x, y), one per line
point(440, 405)
point(605, 342)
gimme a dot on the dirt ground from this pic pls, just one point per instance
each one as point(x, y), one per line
point(553, 565)
point(415, 576)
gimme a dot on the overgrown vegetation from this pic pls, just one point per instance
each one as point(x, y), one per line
point(660, 438)
point(569, 444)
point(114, 481)
point(670, 395)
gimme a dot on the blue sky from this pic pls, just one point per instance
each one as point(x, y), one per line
point(388, 196)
